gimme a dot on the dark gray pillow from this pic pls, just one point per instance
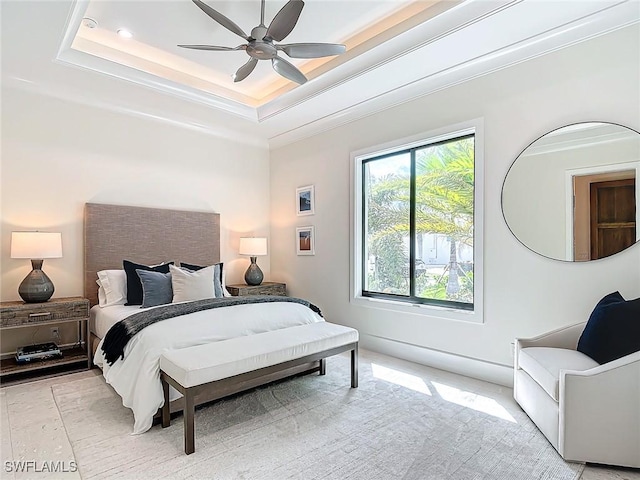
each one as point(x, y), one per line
point(156, 288)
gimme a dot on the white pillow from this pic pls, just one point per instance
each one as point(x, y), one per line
point(190, 286)
point(114, 283)
point(102, 296)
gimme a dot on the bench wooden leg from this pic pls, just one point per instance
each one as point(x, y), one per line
point(323, 366)
point(354, 367)
point(166, 412)
point(189, 433)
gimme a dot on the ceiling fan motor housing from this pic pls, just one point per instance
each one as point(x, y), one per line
point(261, 48)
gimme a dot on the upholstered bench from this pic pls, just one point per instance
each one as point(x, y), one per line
point(217, 365)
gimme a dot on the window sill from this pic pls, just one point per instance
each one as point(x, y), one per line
point(446, 313)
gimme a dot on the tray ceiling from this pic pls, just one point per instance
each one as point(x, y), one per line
point(396, 51)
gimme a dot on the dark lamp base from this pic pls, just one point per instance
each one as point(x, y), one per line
point(253, 276)
point(36, 287)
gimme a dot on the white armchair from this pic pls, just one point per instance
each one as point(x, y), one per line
point(588, 412)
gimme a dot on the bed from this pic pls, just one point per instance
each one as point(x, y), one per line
point(149, 236)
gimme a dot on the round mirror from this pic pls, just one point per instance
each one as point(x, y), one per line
point(571, 194)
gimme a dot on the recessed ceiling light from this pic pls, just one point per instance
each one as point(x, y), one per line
point(89, 22)
point(123, 32)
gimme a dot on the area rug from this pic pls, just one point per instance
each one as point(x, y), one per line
point(396, 425)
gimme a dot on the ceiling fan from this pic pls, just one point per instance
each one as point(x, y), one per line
point(261, 44)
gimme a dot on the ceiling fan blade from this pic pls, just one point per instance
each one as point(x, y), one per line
point(285, 20)
point(244, 71)
point(221, 19)
point(312, 50)
point(287, 70)
point(214, 48)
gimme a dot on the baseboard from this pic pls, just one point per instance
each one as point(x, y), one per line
point(470, 367)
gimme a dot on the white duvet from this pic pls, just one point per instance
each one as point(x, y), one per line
point(137, 377)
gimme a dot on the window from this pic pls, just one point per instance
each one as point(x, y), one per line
point(417, 223)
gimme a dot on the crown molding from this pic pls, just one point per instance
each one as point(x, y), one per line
point(483, 59)
point(215, 129)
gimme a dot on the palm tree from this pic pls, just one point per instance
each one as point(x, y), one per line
point(444, 199)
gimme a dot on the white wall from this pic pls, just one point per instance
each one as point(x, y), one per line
point(58, 155)
point(525, 294)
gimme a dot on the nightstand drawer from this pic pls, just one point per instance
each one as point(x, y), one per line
point(23, 314)
point(265, 288)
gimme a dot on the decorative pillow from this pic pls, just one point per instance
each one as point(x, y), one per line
point(218, 276)
point(114, 283)
point(189, 286)
point(613, 329)
point(156, 288)
point(134, 286)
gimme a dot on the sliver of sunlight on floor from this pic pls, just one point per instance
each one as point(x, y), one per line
point(406, 380)
point(472, 400)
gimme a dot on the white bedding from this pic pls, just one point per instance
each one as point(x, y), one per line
point(102, 318)
point(137, 377)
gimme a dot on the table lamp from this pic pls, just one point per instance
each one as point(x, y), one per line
point(253, 247)
point(36, 287)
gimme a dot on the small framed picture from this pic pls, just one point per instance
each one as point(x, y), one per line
point(305, 201)
point(305, 241)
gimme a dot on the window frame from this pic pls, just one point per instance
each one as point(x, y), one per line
point(357, 265)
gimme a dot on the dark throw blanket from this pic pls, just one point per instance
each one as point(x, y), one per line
point(119, 334)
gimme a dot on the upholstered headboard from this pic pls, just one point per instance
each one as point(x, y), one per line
point(113, 233)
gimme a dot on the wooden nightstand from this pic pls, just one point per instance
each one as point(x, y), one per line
point(55, 311)
point(265, 288)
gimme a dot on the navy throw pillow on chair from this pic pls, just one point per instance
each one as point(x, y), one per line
point(613, 329)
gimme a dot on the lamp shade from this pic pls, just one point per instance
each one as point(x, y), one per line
point(253, 246)
point(36, 245)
